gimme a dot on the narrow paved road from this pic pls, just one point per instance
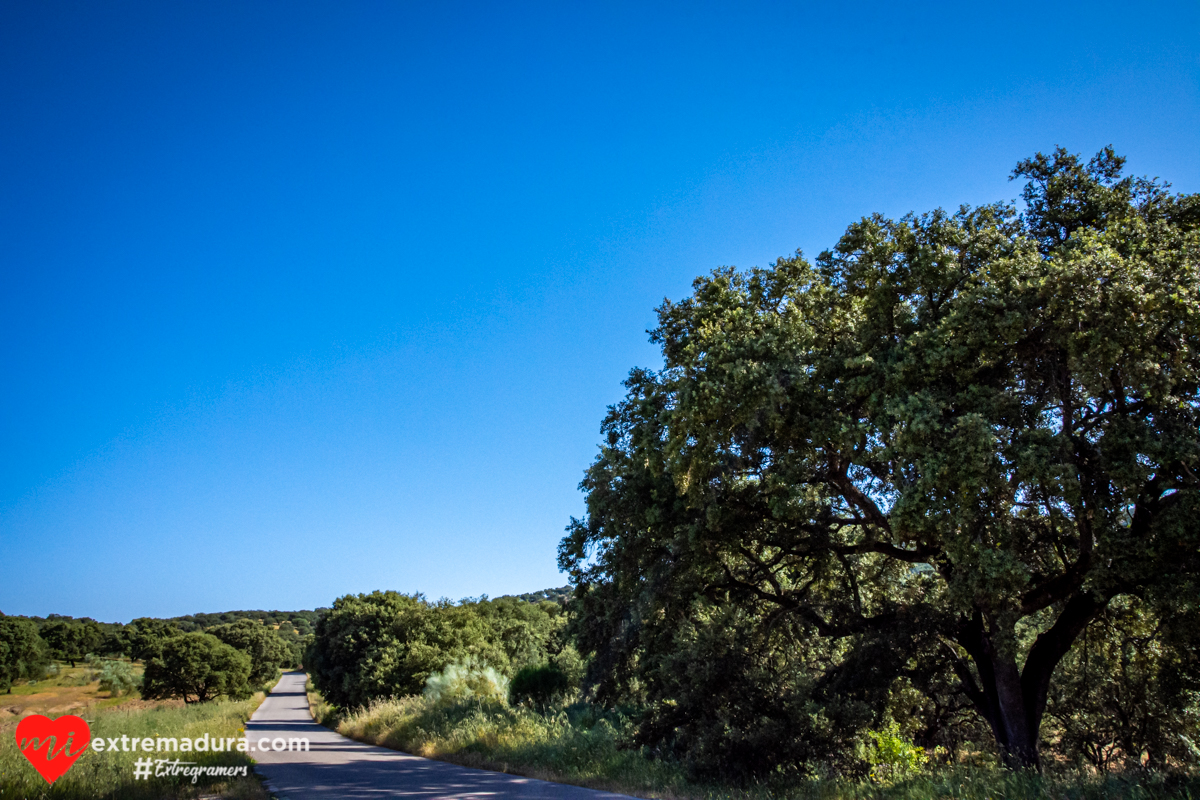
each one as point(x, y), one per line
point(337, 768)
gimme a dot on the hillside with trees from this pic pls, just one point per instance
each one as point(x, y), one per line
point(168, 648)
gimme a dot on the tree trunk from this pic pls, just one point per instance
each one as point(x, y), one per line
point(998, 696)
point(1013, 700)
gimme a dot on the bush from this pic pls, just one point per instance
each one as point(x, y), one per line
point(116, 677)
point(892, 757)
point(466, 680)
point(540, 685)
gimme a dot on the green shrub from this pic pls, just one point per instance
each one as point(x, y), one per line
point(116, 677)
point(466, 680)
point(540, 685)
point(892, 757)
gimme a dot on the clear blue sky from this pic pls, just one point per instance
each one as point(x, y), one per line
point(302, 299)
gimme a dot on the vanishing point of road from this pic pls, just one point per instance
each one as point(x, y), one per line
point(337, 768)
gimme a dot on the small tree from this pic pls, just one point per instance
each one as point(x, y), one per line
point(267, 649)
point(196, 667)
point(23, 654)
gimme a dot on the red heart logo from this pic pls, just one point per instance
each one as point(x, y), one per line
point(63, 739)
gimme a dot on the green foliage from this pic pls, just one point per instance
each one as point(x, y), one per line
point(931, 459)
point(892, 757)
point(302, 621)
point(560, 595)
point(115, 677)
point(266, 649)
point(198, 668)
point(1128, 692)
point(734, 699)
point(467, 681)
point(146, 635)
point(72, 641)
point(388, 644)
point(541, 685)
point(526, 632)
point(23, 654)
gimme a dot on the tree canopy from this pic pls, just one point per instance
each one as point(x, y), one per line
point(72, 640)
point(387, 644)
point(196, 667)
point(23, 654)
point(145, 636)
point(935, 455)
point(267, 649)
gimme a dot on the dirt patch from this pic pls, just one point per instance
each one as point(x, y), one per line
point(67, 693)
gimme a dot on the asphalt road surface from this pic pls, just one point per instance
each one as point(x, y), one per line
point(337, 768)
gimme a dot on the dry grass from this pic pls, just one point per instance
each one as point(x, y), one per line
point(68, 692)
point(585, 749)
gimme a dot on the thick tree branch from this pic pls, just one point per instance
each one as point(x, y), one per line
point(1048, 650)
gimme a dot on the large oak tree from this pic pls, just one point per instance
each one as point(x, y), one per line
point(967, 431)
point(196, 667)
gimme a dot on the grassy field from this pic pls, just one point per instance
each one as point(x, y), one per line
point(109, 776)
point(583, 747)
point(68, 692)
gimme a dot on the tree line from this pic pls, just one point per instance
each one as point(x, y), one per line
point(196, 658)
point(387, 644)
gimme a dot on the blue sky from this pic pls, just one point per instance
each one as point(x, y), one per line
point(302, 299)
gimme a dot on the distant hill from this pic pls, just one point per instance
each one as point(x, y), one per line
point(558, 595)
point(302, 621)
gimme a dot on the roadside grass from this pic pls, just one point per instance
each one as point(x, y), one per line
point(582, 749)
point(109, 775)
point(582, 746)
point(322, 712)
